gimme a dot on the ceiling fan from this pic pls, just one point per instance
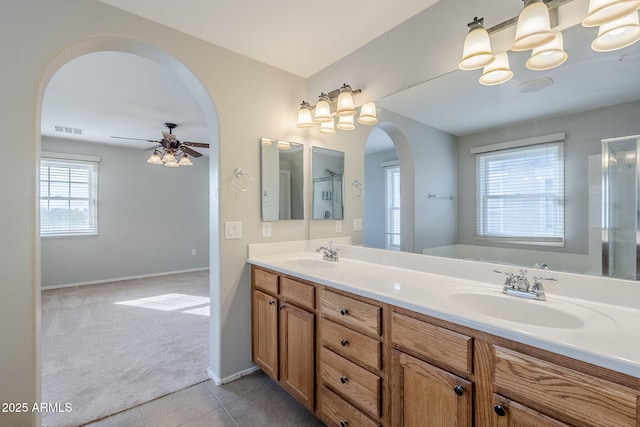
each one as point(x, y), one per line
point(171, 147)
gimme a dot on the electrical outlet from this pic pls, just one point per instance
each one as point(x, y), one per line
point(339, 226)
point(357, 224)
point(233, 230)
point(266, 229)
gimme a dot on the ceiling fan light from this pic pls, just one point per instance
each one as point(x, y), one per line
point(345, 102)
point(548, 56)
point(155, 159)
point(169, 158)
point(304, 115)
point(172, 164)
point(617, 34)
point(368, 114)
point(604, 11)
point(323, 111)
point(476, 52)
point(185, 161)
point(283, 145)
point(346, 123)
point(497, 72)
point(328, 128)
point(533, 28)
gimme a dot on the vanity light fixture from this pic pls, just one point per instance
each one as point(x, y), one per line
point(534, 26)
point(605, 11)
point(283, 145)
point(476, 52)
point(497, 72)
point(549, 55)
point(340, 103)
point(617, 34)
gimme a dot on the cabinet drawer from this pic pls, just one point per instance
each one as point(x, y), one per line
point(340, 413)
point(438, 344)
point(351, 344)
point(564, 391)
point(298, 293)
point(350, 380)
point(265, 280)
point(351, 312)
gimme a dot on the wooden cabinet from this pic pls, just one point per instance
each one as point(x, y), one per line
point(513, 414)
point(283, 334)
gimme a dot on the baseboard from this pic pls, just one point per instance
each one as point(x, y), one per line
point(230, 378)
point(118, 279)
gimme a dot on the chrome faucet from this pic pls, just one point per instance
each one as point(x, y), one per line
point(519, 285)
point(329, 253)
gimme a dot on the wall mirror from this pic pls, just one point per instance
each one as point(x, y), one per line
point(327, 184)
point(591, 97)
point(282, 179)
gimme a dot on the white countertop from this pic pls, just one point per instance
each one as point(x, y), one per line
point(610, 336)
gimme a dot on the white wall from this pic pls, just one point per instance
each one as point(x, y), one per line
point(583, 134)
point(150, 218)
point(36, 38)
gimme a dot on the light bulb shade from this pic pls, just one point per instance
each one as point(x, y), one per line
point(497, 72)
point(266, 141)
point(548, 56)
point(617, 34)
point(155, 158)
point(172, 164)
point(169, 158)
point(476, 52)
point(345, 102)
point(323, 111)
point(604, 11)
point(185, 161)
point(283, 145)
point(327, 128)
point(533, 28)
point(346, 123)
point(368, 114)
point(304, 116)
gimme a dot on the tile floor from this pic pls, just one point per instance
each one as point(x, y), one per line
point(253, 400)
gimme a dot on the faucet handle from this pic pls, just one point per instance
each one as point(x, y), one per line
point(506, 273)
point(537, 282)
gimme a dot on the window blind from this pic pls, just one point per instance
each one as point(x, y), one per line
point(392, 207)
point(68, 197)
point(520, 195)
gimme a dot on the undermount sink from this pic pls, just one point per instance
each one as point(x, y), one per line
point(549, 314)
point(314, 264)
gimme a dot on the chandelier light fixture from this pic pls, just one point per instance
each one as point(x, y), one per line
point(337, 103)
point(619, 27)
point(168, 158)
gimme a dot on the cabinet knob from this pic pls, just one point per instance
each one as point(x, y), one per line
point(459, 390)
point(282, 307)
point(500, 410)
point(344, 311)
point(344, 423)
point(344, 343)
point(344, 380)
point(271, 302)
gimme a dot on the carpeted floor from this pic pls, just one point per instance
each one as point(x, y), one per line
point(110, 347)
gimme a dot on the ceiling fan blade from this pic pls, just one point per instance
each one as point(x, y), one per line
point(189, 151)
point(196, 144)
point(168, 136)
point(135, 139)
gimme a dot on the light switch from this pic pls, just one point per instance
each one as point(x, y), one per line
point(233, 230)
point(339, 226)
point(357, 224)
point(266, 229)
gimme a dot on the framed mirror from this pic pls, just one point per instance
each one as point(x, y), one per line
point(282, 179)
point(327, 184)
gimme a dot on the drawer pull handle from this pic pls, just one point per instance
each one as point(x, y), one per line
point(344, 343)
point(459, 390)
point(344, 423)
point(500, 410)
point(344, 311)
point(344, 380)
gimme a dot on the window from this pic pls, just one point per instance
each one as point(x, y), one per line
point(520, 195)
point(68, 195)
point(392, 206)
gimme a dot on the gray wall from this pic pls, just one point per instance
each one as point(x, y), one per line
point(584, 132)
point(374, 198)
point(150, 218)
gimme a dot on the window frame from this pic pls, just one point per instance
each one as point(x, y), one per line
point(390, 232)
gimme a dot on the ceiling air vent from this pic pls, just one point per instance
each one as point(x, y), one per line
point(67, 129)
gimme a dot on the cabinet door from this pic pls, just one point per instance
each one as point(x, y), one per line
point(264, 334)
point(508, 413)
point(426, 396)
point(297, 351)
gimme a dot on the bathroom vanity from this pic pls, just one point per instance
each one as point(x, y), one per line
point(359, 343)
